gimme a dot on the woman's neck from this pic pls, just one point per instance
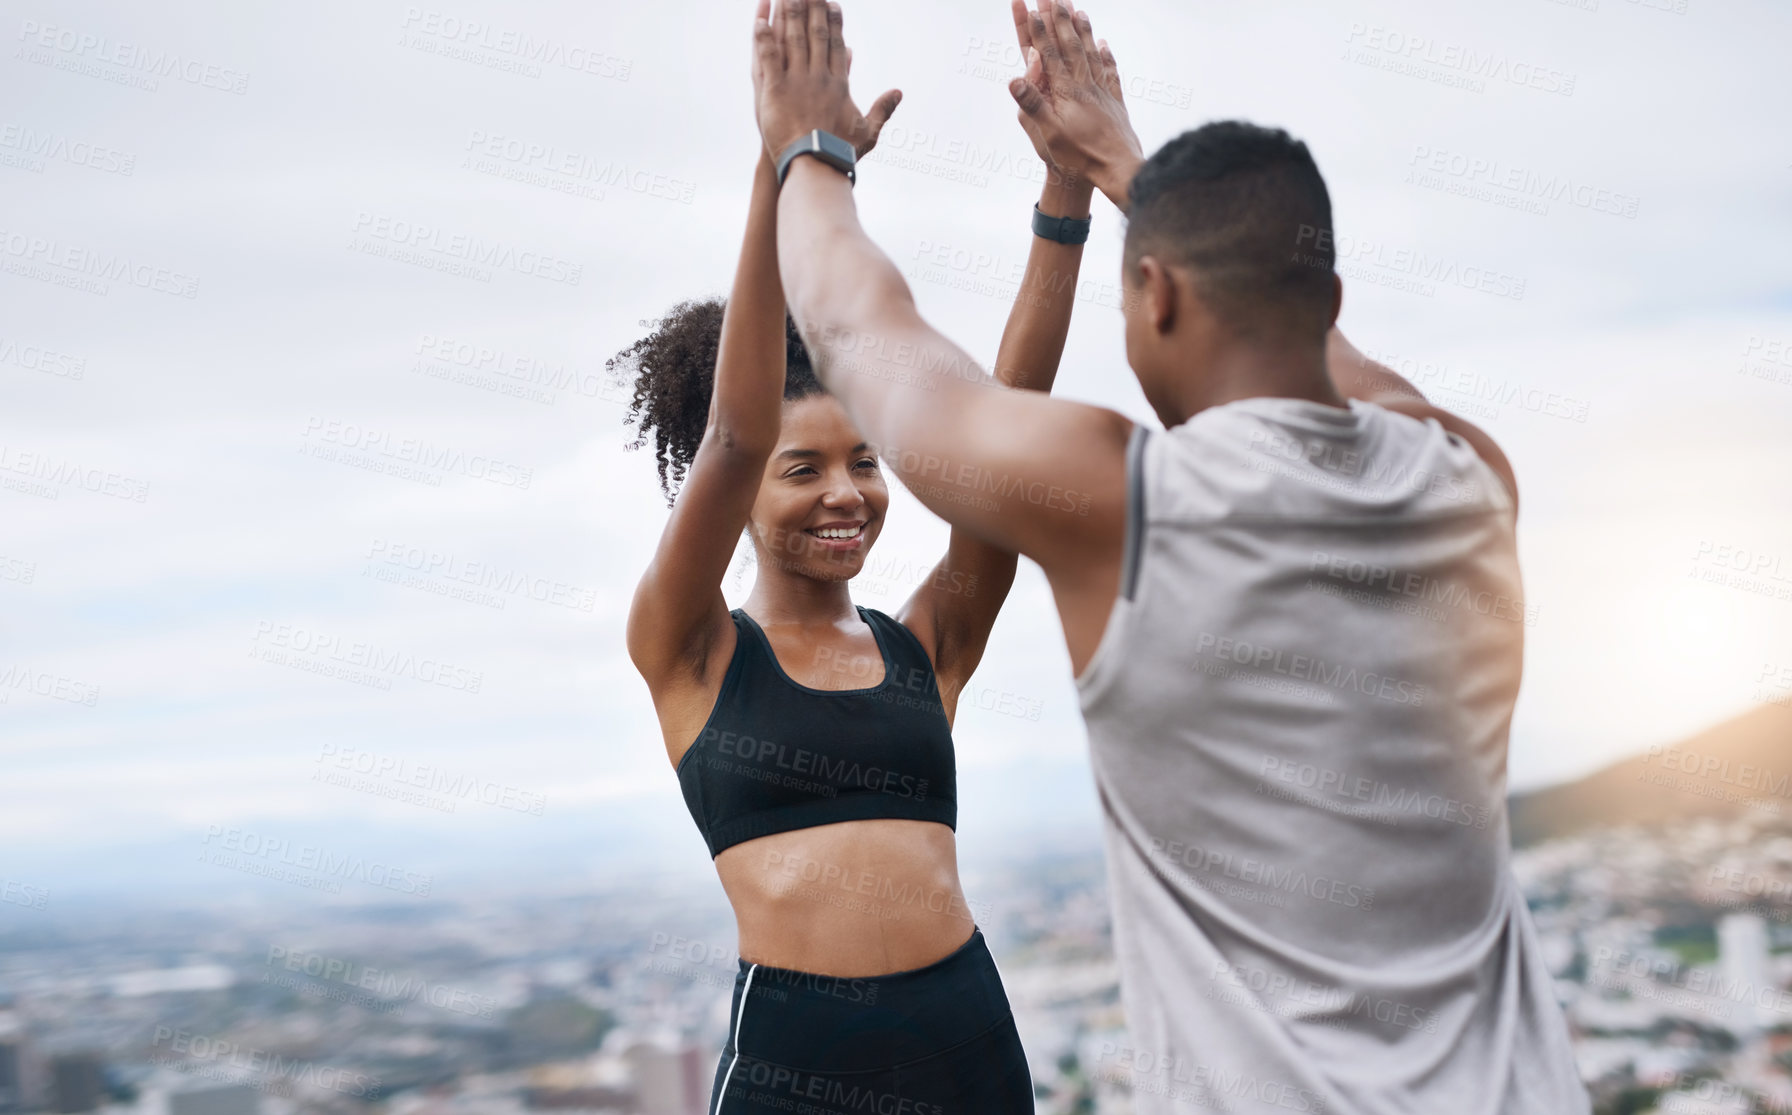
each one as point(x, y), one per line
point(784, 597)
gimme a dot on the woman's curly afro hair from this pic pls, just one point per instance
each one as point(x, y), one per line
point(674, 369)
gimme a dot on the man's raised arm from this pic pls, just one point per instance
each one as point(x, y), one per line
point(1019, 469)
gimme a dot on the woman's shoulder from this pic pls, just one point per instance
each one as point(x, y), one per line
point(905, 636)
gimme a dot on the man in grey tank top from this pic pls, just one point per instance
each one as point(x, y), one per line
point(1295, 613)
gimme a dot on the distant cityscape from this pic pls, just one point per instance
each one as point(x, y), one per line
point(1671, 945)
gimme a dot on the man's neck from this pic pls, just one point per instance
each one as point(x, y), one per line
point(1242, 371)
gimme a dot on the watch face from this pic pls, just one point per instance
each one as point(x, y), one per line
point(838, 149)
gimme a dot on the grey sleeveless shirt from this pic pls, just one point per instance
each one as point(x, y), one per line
point(1298, 719)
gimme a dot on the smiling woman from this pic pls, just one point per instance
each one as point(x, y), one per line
point(812, 738)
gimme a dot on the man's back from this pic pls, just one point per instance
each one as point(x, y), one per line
point(1298, 717)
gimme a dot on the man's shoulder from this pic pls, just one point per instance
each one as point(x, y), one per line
point(1453, 440)
point(1271, 457)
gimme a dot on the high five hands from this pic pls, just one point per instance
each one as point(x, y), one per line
point(1071, 102)
point(800, 65)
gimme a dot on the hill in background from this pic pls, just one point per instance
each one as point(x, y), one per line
point(1741, 765)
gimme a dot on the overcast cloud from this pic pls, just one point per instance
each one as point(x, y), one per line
point(184, 514)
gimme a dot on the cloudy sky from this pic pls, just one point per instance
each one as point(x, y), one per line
point(317, 529)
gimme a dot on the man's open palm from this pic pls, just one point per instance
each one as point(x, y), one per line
point(800, 68)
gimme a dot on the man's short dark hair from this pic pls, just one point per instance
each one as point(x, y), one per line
point(1245, 209)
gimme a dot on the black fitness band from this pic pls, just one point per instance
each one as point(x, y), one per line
point(827, 147)
point(1065, 230)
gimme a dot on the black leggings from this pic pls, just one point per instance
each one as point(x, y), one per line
point(938, 1040)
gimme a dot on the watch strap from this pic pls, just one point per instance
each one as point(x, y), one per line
point(1065, 230)
point(827, 147)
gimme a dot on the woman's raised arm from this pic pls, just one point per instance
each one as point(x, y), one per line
point(678, 613)
point(678, 610)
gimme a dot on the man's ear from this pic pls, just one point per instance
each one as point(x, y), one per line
point(1157, 289)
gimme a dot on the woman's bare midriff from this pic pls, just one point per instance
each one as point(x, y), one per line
point(855, 899)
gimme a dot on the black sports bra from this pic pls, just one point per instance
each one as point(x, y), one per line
point(776, 755)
